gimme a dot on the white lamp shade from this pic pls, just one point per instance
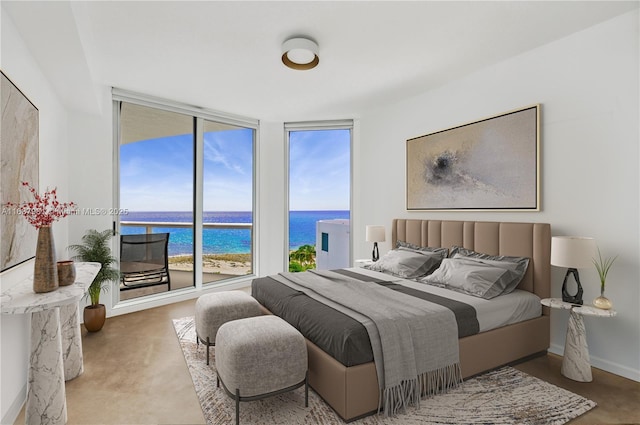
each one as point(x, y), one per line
point(375, 233)
point(572, 251)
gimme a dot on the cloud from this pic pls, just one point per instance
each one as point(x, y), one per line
point(221, 151)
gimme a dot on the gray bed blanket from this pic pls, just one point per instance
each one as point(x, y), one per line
point(414, 342)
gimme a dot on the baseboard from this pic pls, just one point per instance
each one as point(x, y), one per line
point(10, 417)
point(606, 365)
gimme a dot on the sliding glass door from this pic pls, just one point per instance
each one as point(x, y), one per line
point(189, 175)
point(156, 190)
point(227, 220)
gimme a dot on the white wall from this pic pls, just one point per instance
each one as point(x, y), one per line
point(588, 87)
point(272, 208)
point(20, 67)
point(91, 175)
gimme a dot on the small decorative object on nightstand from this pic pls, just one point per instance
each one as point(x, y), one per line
point(575, 362)
point(375, 234)
point(603, 266)
point(572, 252)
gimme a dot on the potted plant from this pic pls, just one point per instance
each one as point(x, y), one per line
point(94, 248)
point(602, 266)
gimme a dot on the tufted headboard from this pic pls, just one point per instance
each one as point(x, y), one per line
point(532, 240)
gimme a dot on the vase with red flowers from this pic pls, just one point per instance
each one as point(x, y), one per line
point(41, 212)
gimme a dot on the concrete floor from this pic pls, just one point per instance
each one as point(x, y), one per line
point(134, 373)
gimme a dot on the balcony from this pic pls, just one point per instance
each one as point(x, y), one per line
point(215, 267)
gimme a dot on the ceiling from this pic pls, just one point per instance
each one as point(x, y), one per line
point(225, 56)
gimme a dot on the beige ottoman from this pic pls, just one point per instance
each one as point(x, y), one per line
point(215, 309)
point(260, 357)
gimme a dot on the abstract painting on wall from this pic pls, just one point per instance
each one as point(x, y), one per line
point(18, 163)
point(491, 164)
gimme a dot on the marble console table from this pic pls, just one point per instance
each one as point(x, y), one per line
point(56, 343)
point(576, 363)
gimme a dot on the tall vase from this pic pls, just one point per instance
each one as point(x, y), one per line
point(45, 271)
point(602, 302)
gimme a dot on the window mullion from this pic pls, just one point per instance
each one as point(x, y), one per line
point(198, 201)
point(115, 242)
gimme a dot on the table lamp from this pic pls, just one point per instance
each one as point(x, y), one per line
point(375, 234)
point(573, 252)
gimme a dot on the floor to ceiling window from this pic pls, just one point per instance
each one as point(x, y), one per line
point(319, 195)
point(187, 176)
point(156, 191)
point(227, 236)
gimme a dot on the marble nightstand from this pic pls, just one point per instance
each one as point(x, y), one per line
point(576, 364)
point(56, 342)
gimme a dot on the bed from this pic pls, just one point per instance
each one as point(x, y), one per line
point(350, 386)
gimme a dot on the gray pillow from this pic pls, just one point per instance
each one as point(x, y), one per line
point(407, 263)
point(517, 264)
point(474, 277)
point(407, 245)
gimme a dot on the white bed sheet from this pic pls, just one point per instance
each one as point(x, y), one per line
point(502, 310)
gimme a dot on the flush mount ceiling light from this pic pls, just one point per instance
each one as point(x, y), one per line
point(300, 53)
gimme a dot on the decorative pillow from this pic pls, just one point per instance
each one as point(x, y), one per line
point(473, 277)
point(520, 268)
point(407, 263)
point(481, 275)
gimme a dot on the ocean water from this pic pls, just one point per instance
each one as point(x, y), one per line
point(302, 229)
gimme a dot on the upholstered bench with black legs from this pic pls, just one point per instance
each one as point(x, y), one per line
point(259, 357)
point(217, 308)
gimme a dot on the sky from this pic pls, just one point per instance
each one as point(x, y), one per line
point(319, 170)
point(157, 174)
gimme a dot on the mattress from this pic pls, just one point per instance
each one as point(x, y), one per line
point(346, 340)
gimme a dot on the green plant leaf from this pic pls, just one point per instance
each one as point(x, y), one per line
point(603, 265)
point(95, 249)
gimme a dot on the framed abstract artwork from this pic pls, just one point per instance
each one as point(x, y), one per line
point(19, 162)
point(491, 164)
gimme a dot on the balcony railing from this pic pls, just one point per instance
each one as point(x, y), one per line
point(150, 225)
point(181, 278)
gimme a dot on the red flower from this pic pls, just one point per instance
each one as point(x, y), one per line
point(45, 210)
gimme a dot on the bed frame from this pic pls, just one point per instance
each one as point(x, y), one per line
point(353, 391)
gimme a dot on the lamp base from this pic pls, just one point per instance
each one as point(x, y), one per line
point(566, 296)
point(375, 255)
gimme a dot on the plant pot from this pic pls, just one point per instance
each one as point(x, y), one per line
point(94, 317)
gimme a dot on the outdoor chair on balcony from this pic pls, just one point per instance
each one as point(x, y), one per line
point(144, 260)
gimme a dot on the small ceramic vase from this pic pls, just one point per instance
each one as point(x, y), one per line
point(66, 273)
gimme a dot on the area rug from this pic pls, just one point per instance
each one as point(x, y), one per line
point(503, 396)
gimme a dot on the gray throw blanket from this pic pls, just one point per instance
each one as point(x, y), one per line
point(414, 342)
